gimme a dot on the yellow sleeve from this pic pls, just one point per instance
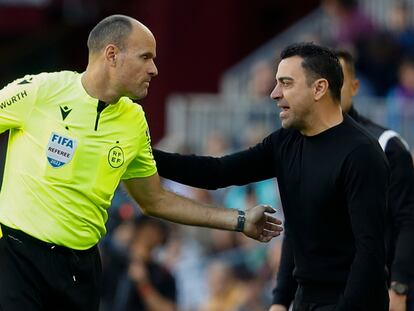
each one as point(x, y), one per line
point(143, 164)
point(17, 100)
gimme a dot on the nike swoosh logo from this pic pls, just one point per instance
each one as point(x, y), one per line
point(65, 112)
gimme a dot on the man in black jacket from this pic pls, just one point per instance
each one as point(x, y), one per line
point(400, 215)
point(333, 181)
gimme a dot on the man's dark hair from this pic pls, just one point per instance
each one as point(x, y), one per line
point(348, 59)
point(113, 29)
point(318, 62)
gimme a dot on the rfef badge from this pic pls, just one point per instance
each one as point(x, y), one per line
point(60, 150)
point(116, 157)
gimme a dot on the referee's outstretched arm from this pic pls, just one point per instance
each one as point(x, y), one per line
point(158, 202)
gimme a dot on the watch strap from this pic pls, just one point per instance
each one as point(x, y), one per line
point(241, 219)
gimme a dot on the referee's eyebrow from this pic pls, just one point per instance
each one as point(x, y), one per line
point(148, 55)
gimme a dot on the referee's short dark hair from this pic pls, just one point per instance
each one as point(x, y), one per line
point(113, 29)
point(318, 62)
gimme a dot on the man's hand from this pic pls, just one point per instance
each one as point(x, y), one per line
point(397, 302)
point(261, 226)
point(277, 308)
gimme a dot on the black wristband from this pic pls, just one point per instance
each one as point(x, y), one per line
point(241, 219)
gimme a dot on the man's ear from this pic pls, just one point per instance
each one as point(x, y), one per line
point(111, 52)
point(355, 87)
point(320, 87)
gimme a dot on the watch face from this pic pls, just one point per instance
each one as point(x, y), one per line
point(399, 288)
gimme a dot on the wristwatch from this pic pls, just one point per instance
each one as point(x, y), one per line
point(399, 288)
point(241, 219)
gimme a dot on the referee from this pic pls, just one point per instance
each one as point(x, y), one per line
point(73, 137)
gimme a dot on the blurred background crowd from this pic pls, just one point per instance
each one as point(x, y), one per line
point(217, 63)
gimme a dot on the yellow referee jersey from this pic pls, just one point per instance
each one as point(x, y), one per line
point(66, 154)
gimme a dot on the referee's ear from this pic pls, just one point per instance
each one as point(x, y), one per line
point(110, 53)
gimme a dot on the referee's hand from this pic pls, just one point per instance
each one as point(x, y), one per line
point(260, 225)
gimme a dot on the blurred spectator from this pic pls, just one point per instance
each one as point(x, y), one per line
point(216, 144)
point(377, 59)
point(261, 82)
point(400, 26)
point(147, 285)
point(259, 281)
point(377, 50)
point(258, 259)
point(224, 290)
point(252, 288)
point(184, 255)
point(114, 253)
point(350, 24)
point(114, 246)
point(400, 101)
